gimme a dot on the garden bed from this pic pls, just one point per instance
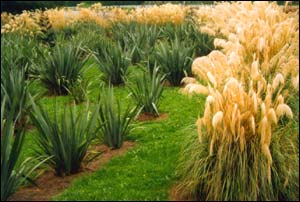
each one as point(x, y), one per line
point(50, 185)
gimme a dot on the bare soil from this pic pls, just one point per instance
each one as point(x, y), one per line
point(50, 185)
point(30, 127)
point(175, 196)
point(167, 83)
point(150, 117)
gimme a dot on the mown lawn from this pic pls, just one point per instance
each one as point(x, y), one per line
point(146, 172)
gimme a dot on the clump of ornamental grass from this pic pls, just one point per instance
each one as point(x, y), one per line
point(171, 31)
point(175, 60)
point(5, 17)
point(25, 23)
point(14, 172)
point(189, 33)
point(147, 90)
point(17, 91)
point(29, 22)
point(62, 67)
point(116, 123)
point(239, 154)
point(119, 32)
point(270, 40)
point(166, 13)
point(246, 170)
point(89, 34)
point(65, 139)
point(21, 52)
point(113, 63)
point(141, 41)
point(80, 90)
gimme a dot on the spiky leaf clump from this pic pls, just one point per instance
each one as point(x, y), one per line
point(62, 68)
point(65, 139)
point(116, 124)
point(175, 59)
point(147, 91)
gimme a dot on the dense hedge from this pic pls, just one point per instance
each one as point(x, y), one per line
point(19, 6)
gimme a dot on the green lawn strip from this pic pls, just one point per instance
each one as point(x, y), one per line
point(148, 170)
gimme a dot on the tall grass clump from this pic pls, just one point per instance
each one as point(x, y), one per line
point(19, 51)
point(88, 34)
point(160, 15)
point(242, 152)
point(62, 67)
point(113, 63)
point(11, 177)
point(238, 154)
point(80, 90)
point(188, 32)
point(171, 31)
point(141, 42)
point(65, 138)
point(116, 123)
point(16, 89)
point(120, 31)
point(13, 171)
point(204, 43)
point(175, 60)
point(147, 90)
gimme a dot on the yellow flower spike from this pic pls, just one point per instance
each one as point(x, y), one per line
point(262, 130)
point(217, 119)
point(199, 129)
point(277, 81)
point(283, 109)
point(272, 116)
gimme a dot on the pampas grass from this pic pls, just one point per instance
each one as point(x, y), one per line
point(284, 109)
point(239, 154)
point(217, 119)
point(246, 174)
